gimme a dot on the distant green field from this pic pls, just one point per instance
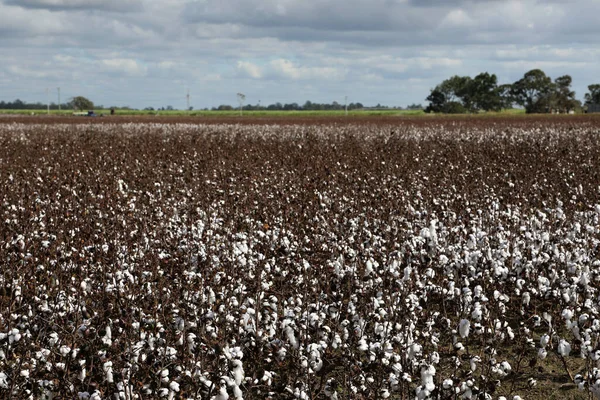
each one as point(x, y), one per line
point(232, 113)
point(265, 113)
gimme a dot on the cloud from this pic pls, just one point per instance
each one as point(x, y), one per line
point(288, 70)
point(124, 65)
point(147, 53)
point(65, 5)
point(249, 69)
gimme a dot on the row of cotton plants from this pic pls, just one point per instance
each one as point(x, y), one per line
point(448, 260)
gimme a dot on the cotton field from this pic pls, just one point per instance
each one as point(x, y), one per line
point(443, 259)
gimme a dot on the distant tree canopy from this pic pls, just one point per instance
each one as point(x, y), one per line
point(81, 103)
point(593, 96)
point(307, 106)
point(535, 92)
point(21, 105)
point(461, 94)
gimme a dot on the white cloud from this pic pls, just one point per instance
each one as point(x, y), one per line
point(287, 69)
point(376, 51)
point(126, 66)
point(249, 69)
point(106, 5)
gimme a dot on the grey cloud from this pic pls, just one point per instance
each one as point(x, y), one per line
point(147, 52)
point(81, 5)
point(331, 15)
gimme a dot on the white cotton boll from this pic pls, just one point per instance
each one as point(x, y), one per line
point(544, 340)
point(289, 332)
point(505, 367)
point(53, 339)
point(108, 371)
point(107, 339)
point(564, 348)
point(526, 299)
point(477, 312)
point(459, 348)
point(362, 345)
point(510, 333)
point(567, 314)
point(164, 392)
point(3, 380)
point(413, 351)
point(368, 268)
point(164, 375)
point(223, 395)
point(238, 372)
point(464, 327)
point(427, 374)
point(96, 395)
point(64, 350)
point(473, 362)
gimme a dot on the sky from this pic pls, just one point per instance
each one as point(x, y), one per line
point(149, 53)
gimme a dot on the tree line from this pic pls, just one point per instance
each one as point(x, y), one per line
point(535, 92)
point(76, 103)
point(308, 106)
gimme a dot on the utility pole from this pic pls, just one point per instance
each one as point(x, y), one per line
point(346, 105)
point(58, 98)
point(187, 97)
point(48, 100)
point(241, 98)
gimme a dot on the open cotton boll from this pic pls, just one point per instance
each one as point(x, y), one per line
point(107, 367)
point(362, 345)
point(564, 348)
point(238, 372)
point(427, 374)
point(464, 327)
point(544, 340)
point(526, 299)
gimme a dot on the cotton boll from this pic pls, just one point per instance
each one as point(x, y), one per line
point(238, 372)
point(463, 328)
point(564, 348)
point(64, 350)
point(289, 332)
point(505, 367)
point(362, 345)
point(164, 375)
point(107, 367)
point(526, 299)
point(544, 340)
point(427, 374)
point(174, 386)
point(567, 314)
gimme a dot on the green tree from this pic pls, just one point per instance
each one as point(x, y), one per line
point(437, 101)
point(505, 92)
point(484, 94)
point(563, 98)
point(593, 97)
point(450, 96)
point(533, 91)
point(81, 103)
